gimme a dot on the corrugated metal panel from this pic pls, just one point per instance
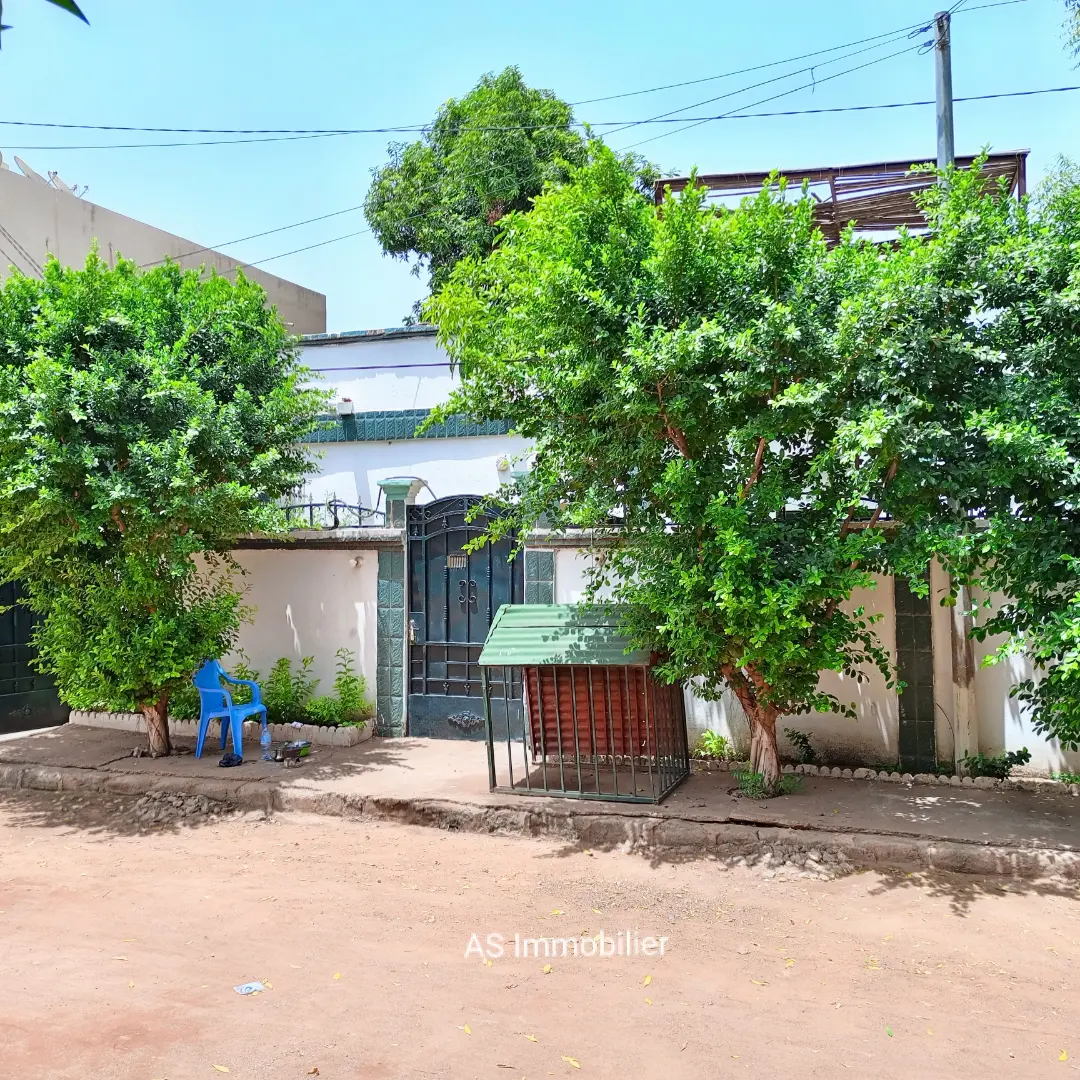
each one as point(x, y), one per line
point(539, 634)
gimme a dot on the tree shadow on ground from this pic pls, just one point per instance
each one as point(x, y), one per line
point(97, 814)
point(963, 891)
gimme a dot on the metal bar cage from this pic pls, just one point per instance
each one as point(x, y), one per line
point(605, 732)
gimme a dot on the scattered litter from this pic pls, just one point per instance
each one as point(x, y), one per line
point(648, 1001)
point(888, 1031)
point(466, 1029)
point(119, 957)
point(337, 975)
point(222, 1068)
point(647, 980)
point(313, 1071)
point(249, 988)
point(547, 969)
point(531, 1038)
point(572, 1062)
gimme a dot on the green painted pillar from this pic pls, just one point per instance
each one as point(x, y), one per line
point(390, 643)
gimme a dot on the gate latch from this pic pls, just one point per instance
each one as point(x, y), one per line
point(412, 631)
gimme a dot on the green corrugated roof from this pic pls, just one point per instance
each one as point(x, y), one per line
point(534, 634)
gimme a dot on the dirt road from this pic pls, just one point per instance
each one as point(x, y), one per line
point(120, 947)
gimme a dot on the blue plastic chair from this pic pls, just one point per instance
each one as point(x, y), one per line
point(216, 704)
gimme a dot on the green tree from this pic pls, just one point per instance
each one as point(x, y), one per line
point(687, 376)
point(974, 337)
point(443, 197)
point(147, 420)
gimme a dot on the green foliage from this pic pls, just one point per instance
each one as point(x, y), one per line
point(147, 420)
point(324, 711)
point(287, 693)
point(801, 741)
point(711, 744)
point(350, 688)
point(444, 197)
point(689, 375)
point(1067, 777)
point(999, 767)
point(753, 785)
point(974, 338)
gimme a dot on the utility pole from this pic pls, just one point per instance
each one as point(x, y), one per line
point(965, 712)
point(946, 147)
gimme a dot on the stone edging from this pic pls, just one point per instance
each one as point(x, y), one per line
point(189, 729)
point(814, 851)
point(986, 783)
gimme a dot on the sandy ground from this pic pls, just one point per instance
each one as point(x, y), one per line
point(121, 946)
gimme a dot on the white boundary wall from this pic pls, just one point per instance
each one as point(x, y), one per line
point(874, 736)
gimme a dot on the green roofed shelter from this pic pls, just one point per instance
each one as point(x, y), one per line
point(579, 710)
point(527, 635)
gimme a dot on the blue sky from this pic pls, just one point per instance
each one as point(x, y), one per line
point(321, 64)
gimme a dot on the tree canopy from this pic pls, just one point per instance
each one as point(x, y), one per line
point(147, 420)
point(689, 376)
point(745, 404)
point(442, 198)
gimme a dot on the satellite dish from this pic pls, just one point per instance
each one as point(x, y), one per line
point(27, 171)
point(3, 164)
point(58, 183)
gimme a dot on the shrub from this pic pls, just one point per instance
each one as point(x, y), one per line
point(286, 694)
point(712, 744)
point(324, 711)
point(998, 767)
point(350, 689)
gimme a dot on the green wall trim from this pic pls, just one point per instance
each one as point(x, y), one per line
point(390, 645)
point(390, 424)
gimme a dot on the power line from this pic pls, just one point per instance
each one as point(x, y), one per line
point(308, 247)
point(774, 97)
point(292, 134)
point(778, 78)
point(919, 26)
point(756, 67)
point(254, 236)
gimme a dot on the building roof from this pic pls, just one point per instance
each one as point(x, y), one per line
point(539, 634)
point(344, 337)
point(877, 197)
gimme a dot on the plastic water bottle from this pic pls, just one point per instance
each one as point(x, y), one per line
point(264, 742)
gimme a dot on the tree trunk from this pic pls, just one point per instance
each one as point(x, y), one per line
point(156, 714)
point(764, 757)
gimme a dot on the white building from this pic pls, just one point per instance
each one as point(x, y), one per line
point(392, 584)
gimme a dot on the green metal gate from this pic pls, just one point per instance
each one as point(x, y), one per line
point(27, 699)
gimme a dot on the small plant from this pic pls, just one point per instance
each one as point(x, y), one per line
point(324, 711)
point(1067, 777)
point(752, 785)
point(349, 689)
point(286, 694)
point(801, 741)
point(998, 767)
point(712, 744)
